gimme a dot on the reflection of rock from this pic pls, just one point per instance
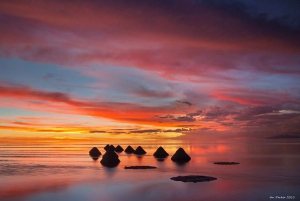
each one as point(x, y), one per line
point(129, 150)
point(95, 157)
point(110, 159)
point(95, 152)
point(160, 153)
point(180, 156)
point(140, 167)
point(161, 159)
point(119, 149)
point(193, 178)
point(139, 151)
point(226, 163)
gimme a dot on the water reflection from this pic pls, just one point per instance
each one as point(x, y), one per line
point(139, 157)
point(110, 171)
point(160, 159)
point(95, 157)
point(51, 173)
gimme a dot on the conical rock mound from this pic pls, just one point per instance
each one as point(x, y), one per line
point(129, 150)
point(119, 149)
point(95, 152)
point(139, 151)
point(180, 156)
point(160, 153)
point(110, 159)
point(105, 148)
point(109, 147)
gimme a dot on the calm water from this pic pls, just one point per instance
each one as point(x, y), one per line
point(66, 172)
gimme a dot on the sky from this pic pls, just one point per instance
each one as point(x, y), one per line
point(140, 69)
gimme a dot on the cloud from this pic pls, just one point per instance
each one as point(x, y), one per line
point(150, 93)
point(186, 103)
point(63, 103)
point(97, 131)
point(184, 119)
point(147, 131)
point(205, 38)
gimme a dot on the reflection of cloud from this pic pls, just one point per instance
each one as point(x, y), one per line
point(31, 186)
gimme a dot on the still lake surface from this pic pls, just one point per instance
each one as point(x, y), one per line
point(47, 172)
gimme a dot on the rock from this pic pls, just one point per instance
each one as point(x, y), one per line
point(160, 153)
point(95, 152)
point(119, 149)
point(110, 159)
point(193, 178)
point(129, 150)
point(180, 156)
point(139, 167)
point(139, 151)
point(109, 147)
point(226, 163)
point(105, 148)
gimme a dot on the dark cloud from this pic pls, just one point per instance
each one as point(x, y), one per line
point(168, 116)
point(146, 131)
point(184, 103)
point(97, 131)
point(184, 119)
point(193, 114)
point(177, 130)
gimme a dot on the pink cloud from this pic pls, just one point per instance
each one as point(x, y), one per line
point(179, 38)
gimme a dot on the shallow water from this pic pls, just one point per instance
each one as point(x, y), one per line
point(268, 168)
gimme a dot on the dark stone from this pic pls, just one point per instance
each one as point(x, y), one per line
point(180, 156)
point(95, 152)
point(139, 151)
point(109, 147)
point(105, 148)
point(193, 178)
point(139, 167)
point(226, 163)
point(119, 149)
point(110, 159)
point(160, 153)
point(129, 150)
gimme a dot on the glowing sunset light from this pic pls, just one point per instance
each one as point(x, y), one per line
point(175, 69)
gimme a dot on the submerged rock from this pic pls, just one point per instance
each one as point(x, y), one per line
point(180, 156)
point(160, 153)
point(110, 159)
point(193, 178)
point(139, 167)
point(119, 149)
point(95, 152)
point(129, 150)
point(139, 151)
point(226, 163)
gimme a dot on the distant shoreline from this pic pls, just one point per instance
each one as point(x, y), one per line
point(284, 136)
